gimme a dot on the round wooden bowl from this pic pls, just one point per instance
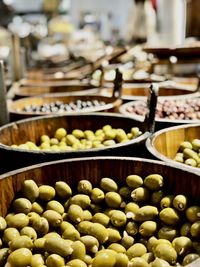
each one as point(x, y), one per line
point(164, 144)
point(93, 169)
point(16, 112)
point(140, 91)
point(160, 123)
point(67, 87)
point(31, 129)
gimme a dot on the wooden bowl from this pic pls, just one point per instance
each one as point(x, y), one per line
point(31, 129)
point(93, 169)
point(164, 144)
point(15, 108)
point(160, 123)
point(68, 87)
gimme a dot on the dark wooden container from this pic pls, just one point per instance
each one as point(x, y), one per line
point(160, 123)
point(15, 108)
point(165, 143)
point(31, 129)
point(71, 87)
point(177, 181)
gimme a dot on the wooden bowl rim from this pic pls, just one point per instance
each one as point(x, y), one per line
point(138, 139)
point(151, 148)
point(122, 110)
point(114, 102)
point(96, 158)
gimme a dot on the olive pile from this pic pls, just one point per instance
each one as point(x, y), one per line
point(189, 153)
point(184, 109)
point(61, 107)
point(81, 140)
point(106, 226)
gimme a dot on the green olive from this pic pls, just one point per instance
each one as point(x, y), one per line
point(101, 218)
point(136, 250)
point(146, 213)
point(182, 245)
point(88, 259)
point(138, 262)
point(113, 235)
point(195, 144)
point(195, 230)
point(55, 260)
point(131, 209)
point(121, 260)
point(46, 192)
point(39, 244)
point(30, 190)
point(151, 243)
point(76, 263)
point(71, 234)
point(140, 194)
point(60, 133)
point(167, 232)
point(33, 216)
point(21, 242)
point(184, 145)
point(190, 258)
point(108, 185)
point(99, 231)
point(63, 190)
point(117, 247)
point(166, 252)
point(58, 245)
point(78, 133)
point(153, 182)
point(87, 215)
point(56, 206)
point(109, 143)
point(193, 213)
point(113, 199)
point(125, 192)
point(189, 153)
point(107, 258)
point(132, 228)
point(191, 162)
point(169, 216)
point(75, 213)
point(10, 234)
point(4, 253)
point(118, 218)
point(185, 229)
point(148, 257)
point(79, 250)
point(180, 202)
point(37, 260)
point(81, 200)
point(65, 226)
point(134, 181)
point(20, 257)
point(3, 224)
point(148, 228)
point(83, 227)
point(97, 195)
point(127, 241)
point(53, 217)
point(41, 226)
point(36, 207)
point(91, 243)
point(52, 234)
point(166, 201)
point(156, 197)
point(18, 220)
point(160, 263)
point(84, 187)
